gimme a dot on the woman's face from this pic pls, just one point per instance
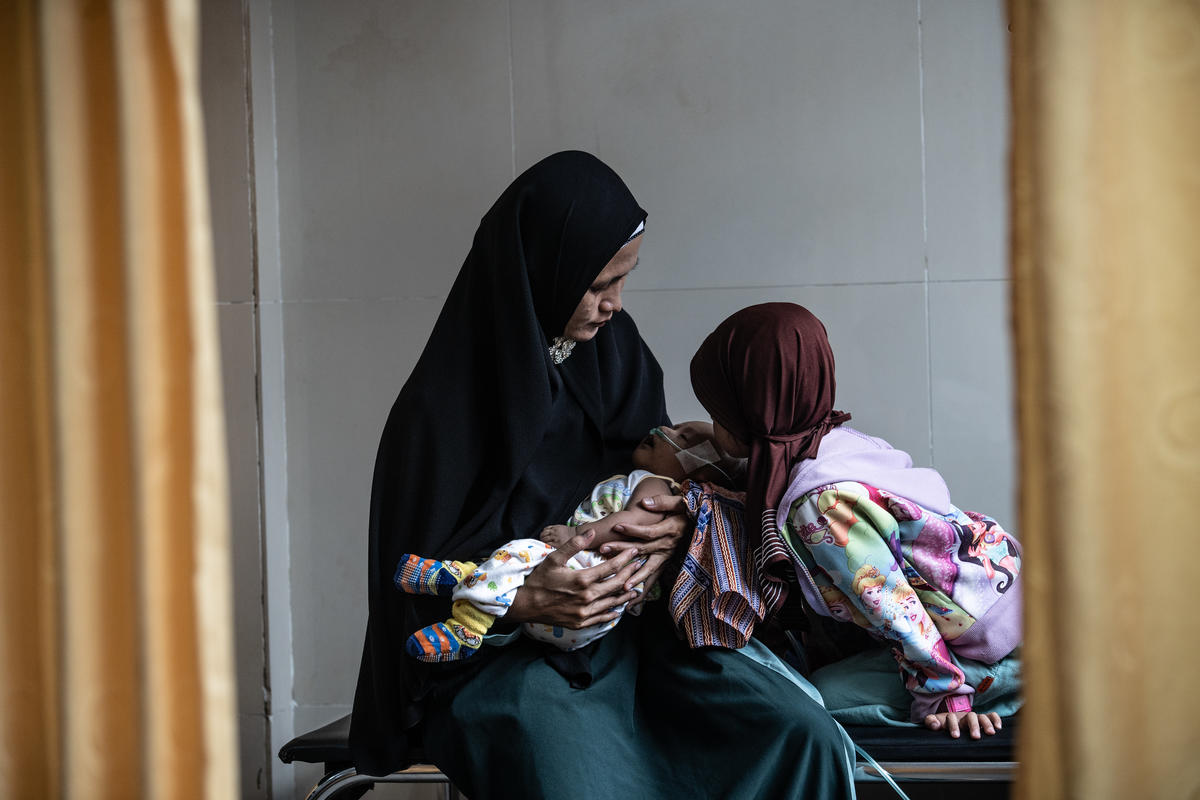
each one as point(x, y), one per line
point(603, 297)
point(729, 444)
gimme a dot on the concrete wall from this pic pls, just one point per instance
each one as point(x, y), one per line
point(848, 155)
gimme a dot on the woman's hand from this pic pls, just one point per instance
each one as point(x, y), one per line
point(952, 721)
point(661, 537)
point(555, 594)
point(656, 542)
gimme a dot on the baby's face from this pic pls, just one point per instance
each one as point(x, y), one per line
point(656, 453)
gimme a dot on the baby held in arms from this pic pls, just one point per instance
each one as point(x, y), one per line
point(483, 592)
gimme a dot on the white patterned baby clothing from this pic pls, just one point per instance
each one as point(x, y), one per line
point(495, 582)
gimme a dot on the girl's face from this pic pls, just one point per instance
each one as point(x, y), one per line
point(727, 443)
point(912, 607)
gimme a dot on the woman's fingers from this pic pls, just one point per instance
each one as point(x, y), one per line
point(675, 524)
point(661, 547)
point(646, 571)
point(655, 546)
point(665, 504)
point(641, 532)
point(606, 578)
point(603, 609)
point(599, 616)
point(666, 532)
point(652, 560)
point(613, 548)
point(572, 546)
point(622, 581)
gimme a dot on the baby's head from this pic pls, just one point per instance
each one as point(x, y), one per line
point(687, 451)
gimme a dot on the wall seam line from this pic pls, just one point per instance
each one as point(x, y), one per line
point(925, 226)
point(512, 95)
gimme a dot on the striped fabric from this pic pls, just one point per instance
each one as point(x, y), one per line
point(773, 564)
point(715, 602)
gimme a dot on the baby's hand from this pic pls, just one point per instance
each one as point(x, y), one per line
point(556, 535)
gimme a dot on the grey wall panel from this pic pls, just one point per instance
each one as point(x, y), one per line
point(771, 147)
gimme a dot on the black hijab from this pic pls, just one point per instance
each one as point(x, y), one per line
point(463, 436)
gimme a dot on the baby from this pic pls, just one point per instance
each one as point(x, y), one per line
point(483, 592)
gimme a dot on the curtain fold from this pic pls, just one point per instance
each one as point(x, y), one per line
point(115, 587)
point(1106, 282)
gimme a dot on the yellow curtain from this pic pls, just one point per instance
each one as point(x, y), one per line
point(115, 646)
point(1106, 305)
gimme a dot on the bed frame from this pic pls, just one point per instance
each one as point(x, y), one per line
point(911, 755)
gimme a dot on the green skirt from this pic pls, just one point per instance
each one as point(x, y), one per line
point(659, 721)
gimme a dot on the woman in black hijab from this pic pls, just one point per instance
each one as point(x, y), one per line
point(533, 386)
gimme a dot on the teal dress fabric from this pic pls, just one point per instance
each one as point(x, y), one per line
point(659, 721)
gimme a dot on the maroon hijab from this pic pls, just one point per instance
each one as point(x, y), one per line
point(766, 374)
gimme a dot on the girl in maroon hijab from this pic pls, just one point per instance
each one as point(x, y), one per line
point(850, 520)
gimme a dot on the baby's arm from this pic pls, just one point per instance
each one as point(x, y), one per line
point(632, 514)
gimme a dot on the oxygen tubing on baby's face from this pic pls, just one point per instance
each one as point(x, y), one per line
point(694, 457)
